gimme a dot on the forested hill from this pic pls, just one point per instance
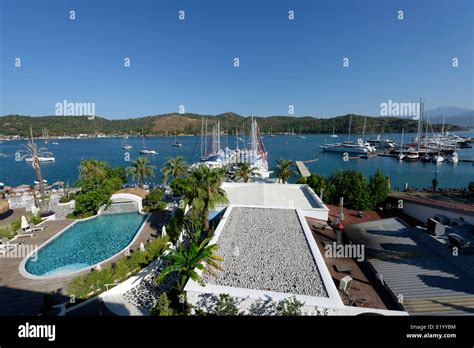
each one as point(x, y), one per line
point(191, 124)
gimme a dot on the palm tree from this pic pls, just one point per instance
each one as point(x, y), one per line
point(204, 191)
point(140, 170)
point(33, 152)
point(184, 261)
point(89, 169)
point(246, 172)
point(175, 167)
point(284, 170)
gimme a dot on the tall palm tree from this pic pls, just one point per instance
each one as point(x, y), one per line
point(33, 152)
point(284, 171)
point(204, 191)
point(140, 170)
point(184, 261)
point(175, 167)
point(246, 172)
point(89, 169)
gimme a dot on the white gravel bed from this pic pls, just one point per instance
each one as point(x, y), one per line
point(266, 249)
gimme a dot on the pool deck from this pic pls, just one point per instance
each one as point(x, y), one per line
point(23, 296)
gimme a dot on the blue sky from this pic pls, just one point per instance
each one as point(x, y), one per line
point(190, 63)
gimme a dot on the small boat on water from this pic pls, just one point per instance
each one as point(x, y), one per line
point(333, 135)
point(454, 158)
point(438, 158)
point(145, 150)
point(176, 142)
point(41, 159)
point(125, 145)
point(411, 156)
point(425, 158)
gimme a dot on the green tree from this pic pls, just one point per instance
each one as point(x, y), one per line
point(174, 167)
point(246, 172)
point(378, 188)
point(154, 200)
point(97, 182)
point(203, 191)
point(140, 170)
point(179, 185)
point(470, 187)
point(434, 184)
point(186, 260)
point(318, 182)
point(353, 187)
point(284, 170)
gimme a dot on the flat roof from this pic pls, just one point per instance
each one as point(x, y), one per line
point(273, 195)
point(412, 266)
point(268, 254)
point(266, 249)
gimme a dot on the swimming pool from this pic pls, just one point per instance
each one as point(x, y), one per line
point(85, 244)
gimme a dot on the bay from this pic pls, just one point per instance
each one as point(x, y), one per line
point(70, 152)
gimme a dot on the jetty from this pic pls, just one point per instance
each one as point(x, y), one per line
point(302, 169)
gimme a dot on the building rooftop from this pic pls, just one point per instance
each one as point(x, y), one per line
point(266, 249)
point(273, 195)
point(417, 267)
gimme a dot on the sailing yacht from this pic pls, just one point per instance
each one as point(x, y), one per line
point(176, 143)
point(271, 132)
point(145, 150)
point(400, 154)
point(301, 136)
point(359, 146)
point(126, 146)
point(333, 135)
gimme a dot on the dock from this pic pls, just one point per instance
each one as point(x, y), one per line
point(304, 172)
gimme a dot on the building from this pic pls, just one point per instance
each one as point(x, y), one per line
point(277, 196)
point(420, 270)
point(269, 254)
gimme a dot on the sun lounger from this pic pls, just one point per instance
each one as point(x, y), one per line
point(27, 233)
point(27, 229)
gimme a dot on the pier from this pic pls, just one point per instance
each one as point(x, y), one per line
point(304, 172)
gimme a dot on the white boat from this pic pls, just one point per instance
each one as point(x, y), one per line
point(438, 158)
point(454, 158)
point(41, 159)
point(358, 147)
point(411, 156)
point(125, 145)
point(176, 142)
point(271, 132)
point(55, 143)
point(145, 150)
point(333, 135)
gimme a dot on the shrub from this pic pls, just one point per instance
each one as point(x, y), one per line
point(225, 305)
point(154, 200)
point(289, 307)
point(162, 307)
point(353, 187)
point(378, 188)
point(96, 280)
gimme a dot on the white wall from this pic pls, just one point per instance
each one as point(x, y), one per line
point(423, 212)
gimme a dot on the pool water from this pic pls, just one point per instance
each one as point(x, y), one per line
point(85, 244)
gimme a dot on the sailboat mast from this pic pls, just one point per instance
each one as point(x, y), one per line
point(350, 125)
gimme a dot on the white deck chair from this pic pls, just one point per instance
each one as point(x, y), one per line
point(26, 227)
